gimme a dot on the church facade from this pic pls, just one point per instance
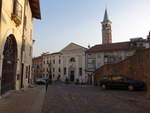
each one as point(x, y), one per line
point(67, 64)
point(73, 63)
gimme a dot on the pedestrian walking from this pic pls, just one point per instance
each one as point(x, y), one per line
point(46, 85)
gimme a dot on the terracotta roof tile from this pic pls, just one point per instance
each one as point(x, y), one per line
point(110, 47)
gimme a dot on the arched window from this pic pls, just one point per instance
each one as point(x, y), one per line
point(72, 59)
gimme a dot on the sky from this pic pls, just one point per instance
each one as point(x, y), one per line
point(79, 21)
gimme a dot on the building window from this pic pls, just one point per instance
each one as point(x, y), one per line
point(72, 59)
point(53, 69)
point(80, 71)
point(30, 51)
point(59, 70)
point(59, 61)
point(53, 61)
point(65, 70)
point(94, 63)
point(17, 12)
point(26, 71)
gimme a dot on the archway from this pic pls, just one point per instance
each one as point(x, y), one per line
point(9, 65)
point(72, 69)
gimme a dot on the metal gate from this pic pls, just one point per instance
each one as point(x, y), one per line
point(9, 65)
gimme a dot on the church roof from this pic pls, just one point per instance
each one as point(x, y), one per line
point(73, 46)
point(106, 18)
point(110, 47)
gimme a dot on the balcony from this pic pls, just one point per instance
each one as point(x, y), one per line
point(17, 13)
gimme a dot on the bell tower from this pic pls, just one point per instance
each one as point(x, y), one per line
point(106, 29)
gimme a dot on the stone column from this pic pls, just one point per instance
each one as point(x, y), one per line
point(83, 68)
point(77, 68)
point(67, 67)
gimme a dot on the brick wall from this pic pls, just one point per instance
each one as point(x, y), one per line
point(136, 66)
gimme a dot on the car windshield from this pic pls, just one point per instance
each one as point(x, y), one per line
point(106, 77)
point(117, 77)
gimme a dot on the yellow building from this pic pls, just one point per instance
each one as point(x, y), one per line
point(16, 17)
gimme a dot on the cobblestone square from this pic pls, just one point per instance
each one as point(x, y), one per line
point(62, 98)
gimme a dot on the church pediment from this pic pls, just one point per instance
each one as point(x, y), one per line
point(73, 47)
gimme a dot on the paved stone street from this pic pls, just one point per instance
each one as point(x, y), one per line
point(62, 98)
point(29, 100)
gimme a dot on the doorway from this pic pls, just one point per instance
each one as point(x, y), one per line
point(9, 65)
point(72, 76)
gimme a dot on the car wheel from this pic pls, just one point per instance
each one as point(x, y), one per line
point(103, 86)
point(130, 87)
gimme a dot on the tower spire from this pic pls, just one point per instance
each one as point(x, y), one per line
point(106, 16)
point(106, 29)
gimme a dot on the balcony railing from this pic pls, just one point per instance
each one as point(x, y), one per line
point(17, 13)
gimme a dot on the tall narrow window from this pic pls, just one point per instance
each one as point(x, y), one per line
point(26, 71)
point(65, 70)
point(80, 71)
point(59, 70)
point(53, 61)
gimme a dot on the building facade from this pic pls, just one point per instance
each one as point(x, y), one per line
point(73, 63)
point(46, 64)
point(37, 70)
point(69, 63)
point(111, 53)
point(56, 66)
point(16, 42)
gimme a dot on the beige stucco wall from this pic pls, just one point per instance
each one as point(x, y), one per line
point(55, 66)
point(27, 56)
point(8, 27)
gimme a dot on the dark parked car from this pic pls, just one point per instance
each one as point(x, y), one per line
point(41, 81)
point(120, 82)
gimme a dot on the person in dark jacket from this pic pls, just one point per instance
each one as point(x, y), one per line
point(46, 85)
